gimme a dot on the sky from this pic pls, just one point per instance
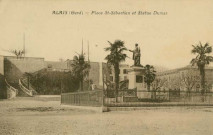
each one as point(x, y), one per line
point(164, 40)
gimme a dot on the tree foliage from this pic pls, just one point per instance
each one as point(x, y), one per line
point(158, 83)
point(80, 68)
point(53, 82)
point(17, 53)
point(202, 59)
point(114, 57)
point(190, 79)
point(150, 75)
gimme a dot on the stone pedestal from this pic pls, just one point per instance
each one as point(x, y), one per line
point(136, 78)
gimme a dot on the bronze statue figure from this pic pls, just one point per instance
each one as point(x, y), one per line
point(136, 55)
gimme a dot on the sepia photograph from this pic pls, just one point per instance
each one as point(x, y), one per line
point(106, 67)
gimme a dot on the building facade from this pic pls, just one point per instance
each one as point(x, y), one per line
point(186, 78)
point(123, 73)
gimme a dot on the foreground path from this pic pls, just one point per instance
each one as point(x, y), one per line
point(44, 115)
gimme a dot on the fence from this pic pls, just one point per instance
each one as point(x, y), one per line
point(129, 95)
point(87, 98)
point(176, 96)
point(135, 98)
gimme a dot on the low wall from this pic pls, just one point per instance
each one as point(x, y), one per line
point(56, 64)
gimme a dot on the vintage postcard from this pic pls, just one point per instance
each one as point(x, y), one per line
point(106, 67)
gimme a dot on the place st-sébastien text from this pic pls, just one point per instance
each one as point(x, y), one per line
point(128, 13)
point(64, 12)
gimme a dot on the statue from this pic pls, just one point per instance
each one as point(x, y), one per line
point(136, 55)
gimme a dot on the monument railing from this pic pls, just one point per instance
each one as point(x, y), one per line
point(123, 96)
point(125, 93)
point(24, 82)
point(85, 98)
point(11, 91)
point(27, 91)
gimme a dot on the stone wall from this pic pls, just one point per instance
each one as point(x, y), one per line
point(57, 64)
point(2, 65)
point(94, 72)
point(14, 68)
point(3, 93)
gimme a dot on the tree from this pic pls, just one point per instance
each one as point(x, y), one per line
point(201, 60)
point(175, 82)
point(157, 84)
point(80, 68)
point(107, 70)
point(149, 75)
point(123, 85)
point(114, 58)
point(17, 53)
point(190, 79)
point(48, 81)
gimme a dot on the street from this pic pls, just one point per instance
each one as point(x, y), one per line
point(43, 115)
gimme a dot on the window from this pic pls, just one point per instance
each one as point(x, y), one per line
point(139, 79)
point(124, 71)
